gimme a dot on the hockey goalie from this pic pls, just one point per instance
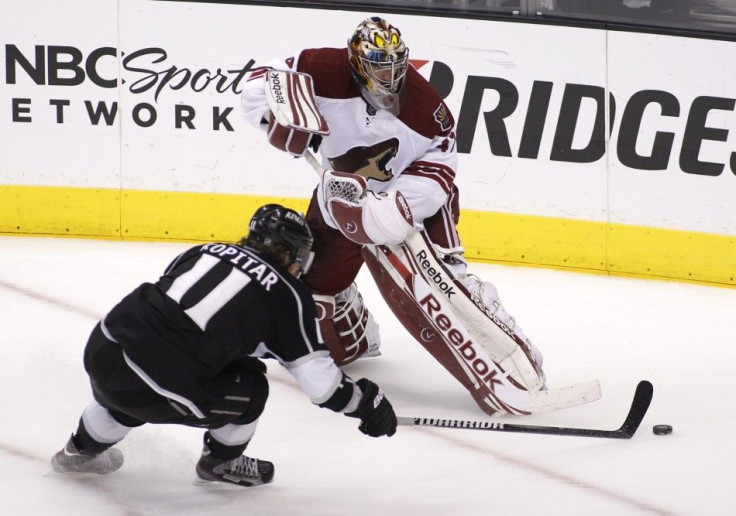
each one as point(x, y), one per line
point(387, 198)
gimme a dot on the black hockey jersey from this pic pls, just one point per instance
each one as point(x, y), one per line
point(218, 308)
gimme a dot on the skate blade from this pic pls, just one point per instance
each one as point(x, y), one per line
point(215, 484)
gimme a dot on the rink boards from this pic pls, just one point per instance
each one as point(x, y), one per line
point(588, 149)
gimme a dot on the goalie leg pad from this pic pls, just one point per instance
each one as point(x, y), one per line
point(348, 329)
point(431, 322)
point(503, 344)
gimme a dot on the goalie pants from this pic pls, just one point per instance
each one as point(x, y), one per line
point(235, 397)
point(338, 259)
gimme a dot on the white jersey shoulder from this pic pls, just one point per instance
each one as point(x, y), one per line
point(414, 153)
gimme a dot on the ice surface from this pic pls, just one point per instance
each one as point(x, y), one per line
point(679, 336)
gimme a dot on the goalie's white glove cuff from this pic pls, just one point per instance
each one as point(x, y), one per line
point(387, 217)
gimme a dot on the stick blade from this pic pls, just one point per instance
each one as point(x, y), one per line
point(565, 397)
point(639, 406)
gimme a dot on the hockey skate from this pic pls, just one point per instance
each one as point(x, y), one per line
point(71, 460)
point(242, 471)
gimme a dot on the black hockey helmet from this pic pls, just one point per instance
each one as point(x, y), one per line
point(275, 228)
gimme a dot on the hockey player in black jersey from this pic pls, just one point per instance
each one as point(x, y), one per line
point(188, 350)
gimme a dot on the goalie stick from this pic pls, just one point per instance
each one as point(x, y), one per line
point(639, 407)
point(312, 160)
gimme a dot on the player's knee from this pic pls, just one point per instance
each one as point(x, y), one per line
point(254, 397)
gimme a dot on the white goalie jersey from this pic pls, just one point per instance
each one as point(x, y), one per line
point(414, 153)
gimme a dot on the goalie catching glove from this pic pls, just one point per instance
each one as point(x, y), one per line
point(363, 216)
point(376, 414)
point(295, 122)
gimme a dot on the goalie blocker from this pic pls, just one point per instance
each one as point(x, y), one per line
point(295, 118)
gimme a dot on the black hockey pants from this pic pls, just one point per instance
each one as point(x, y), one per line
point(237, 396)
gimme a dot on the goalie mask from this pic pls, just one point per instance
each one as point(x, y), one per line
point(274, 228)
point(379, 60)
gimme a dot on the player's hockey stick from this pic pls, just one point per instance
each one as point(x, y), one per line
point(639, 407)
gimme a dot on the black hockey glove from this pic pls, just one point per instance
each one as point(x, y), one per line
point(376, 414)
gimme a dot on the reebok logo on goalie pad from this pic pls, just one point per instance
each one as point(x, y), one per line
point(277, 89)
point(435, 276)
point(486, 373)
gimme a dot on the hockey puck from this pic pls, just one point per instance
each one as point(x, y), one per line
point(662, 429)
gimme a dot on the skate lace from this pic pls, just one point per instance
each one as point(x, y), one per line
point(245, 466)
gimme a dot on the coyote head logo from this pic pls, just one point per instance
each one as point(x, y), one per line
point(369, 162)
